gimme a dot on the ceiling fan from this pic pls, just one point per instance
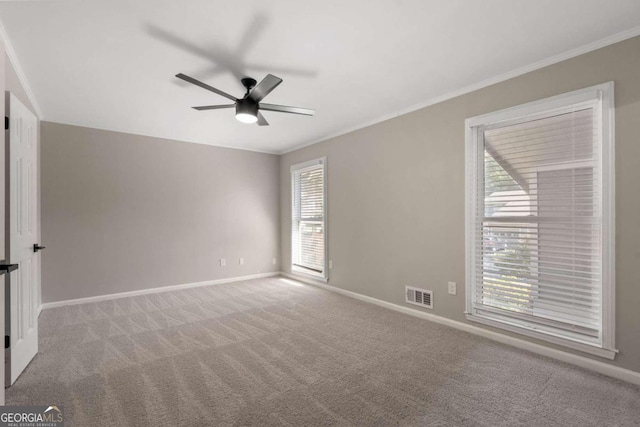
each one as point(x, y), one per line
point(248, 107)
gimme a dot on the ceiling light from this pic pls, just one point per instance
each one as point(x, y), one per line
point(246, 118)
point(246, 110)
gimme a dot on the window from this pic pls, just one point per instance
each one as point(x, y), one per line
point(308, 232)
point(540, 228)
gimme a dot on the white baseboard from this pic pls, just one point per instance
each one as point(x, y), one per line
point(574, 359)
point(154, 290)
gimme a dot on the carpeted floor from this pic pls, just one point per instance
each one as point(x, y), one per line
point(275, 352)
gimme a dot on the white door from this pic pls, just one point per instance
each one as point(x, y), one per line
point(23, 233)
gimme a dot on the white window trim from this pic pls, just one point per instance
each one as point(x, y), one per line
point(324, 277)
point(605, 94)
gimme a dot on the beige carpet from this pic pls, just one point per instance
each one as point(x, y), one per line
point(274, 352)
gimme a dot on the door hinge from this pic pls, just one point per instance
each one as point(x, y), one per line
point(7, 341)
point(6, 123)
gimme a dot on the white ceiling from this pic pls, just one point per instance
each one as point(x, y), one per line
point(110, 64)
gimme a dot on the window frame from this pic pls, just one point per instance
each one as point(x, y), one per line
point(603, 94)
point(324, 275)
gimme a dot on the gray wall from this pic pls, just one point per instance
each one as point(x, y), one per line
point(396, 191)
point(124, 212)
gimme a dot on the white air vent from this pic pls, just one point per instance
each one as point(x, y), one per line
point(420, 297)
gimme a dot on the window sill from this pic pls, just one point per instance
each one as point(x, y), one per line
point(306, 273)
point(586, 348)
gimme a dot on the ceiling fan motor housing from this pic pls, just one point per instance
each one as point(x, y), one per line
point(247, 106)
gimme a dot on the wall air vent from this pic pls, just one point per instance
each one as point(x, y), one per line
point(420, 297)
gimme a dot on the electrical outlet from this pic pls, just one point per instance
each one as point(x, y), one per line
point(330, 264)
point(223, 262)
point(241, 261)
point(452, 288)
point(274, 261)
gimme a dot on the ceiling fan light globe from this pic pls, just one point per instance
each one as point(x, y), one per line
point(246, 118)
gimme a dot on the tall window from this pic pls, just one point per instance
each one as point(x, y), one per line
point(308, 233)
point(540, 219)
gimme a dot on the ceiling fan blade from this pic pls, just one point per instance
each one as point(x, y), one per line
point(214, 107)
point(283, 70)
point(265, 87)
point(205, 86)
point(252, 33)
point(287, 109)
point(261, 120)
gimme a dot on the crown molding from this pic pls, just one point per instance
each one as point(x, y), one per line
point(13, 58)
point(572, 53)
point(165, 138)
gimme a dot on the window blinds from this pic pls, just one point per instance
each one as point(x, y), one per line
point(538, 224)
point(308, 222)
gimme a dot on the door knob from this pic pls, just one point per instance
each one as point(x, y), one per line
point(37, 247)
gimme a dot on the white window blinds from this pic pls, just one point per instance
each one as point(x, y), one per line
point(537, 226)
point(308, 217)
